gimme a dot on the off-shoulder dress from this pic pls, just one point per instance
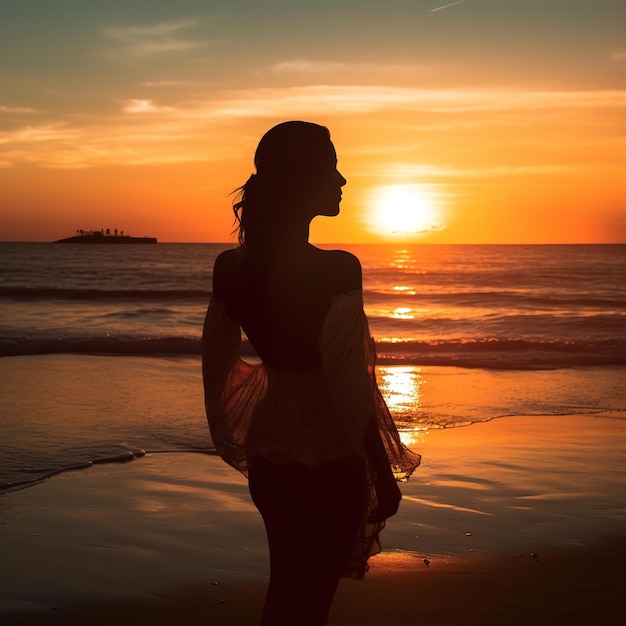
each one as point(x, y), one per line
point(308, 417)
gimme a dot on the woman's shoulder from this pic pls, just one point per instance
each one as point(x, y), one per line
point(228, 257)
point(225, 269)
point(343, 270)
point(342, 257)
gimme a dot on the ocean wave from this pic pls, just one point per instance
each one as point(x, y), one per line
point(53, 293)
point(504, 353)
point(487, 352)
point(109, 344)
point(567, 327)
point(458, 298)
point(16, 480)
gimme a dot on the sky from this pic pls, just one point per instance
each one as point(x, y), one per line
point(476, 121)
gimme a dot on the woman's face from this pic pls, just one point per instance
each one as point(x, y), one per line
point(326, 194)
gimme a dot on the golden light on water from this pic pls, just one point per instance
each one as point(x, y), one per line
point(402, 260)
point(402, 388)
point(412, 437)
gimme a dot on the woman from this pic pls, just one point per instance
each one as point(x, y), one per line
point(307, 425)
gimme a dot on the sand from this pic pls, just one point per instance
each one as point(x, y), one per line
point(516, 521)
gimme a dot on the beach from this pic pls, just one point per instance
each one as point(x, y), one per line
point(504, 366)
point(499, 525)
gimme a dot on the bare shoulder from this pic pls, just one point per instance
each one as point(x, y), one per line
point(227, 258)
point(343, 260)
point(224, 270)
point(343, 269)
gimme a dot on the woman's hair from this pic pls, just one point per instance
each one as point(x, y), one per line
point(289, 161)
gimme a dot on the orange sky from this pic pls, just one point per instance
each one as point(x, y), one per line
point(484, 121)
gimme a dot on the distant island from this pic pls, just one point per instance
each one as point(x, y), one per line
point(105, 237)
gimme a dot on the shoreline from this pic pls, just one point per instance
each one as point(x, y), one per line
point(155, 404)
point(148, 540)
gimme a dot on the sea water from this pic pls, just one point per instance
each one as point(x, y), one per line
point(101, 344)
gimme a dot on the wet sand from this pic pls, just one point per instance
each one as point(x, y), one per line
point(515, 521)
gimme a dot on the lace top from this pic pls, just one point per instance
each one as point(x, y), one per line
point(305, 417)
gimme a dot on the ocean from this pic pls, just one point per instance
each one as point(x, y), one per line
point(101, 344)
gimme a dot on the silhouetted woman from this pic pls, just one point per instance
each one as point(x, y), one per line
point(307, 425)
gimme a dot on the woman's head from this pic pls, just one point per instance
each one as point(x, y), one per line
point(293, 151)
point(296, 178)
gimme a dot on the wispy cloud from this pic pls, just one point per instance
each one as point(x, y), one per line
point(138, 105)
point(62, 146)
point(36, 134)
point(349, 99)
point(446, 6)
point(168, 83)
point(427, 171)
point(155, 39)
point(144, 130)
point(161, 29)
point(311, 68)
point(618, 55)
point(5, 109)
point(306, 66)
point(35, 144)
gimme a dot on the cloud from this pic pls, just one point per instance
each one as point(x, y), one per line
point(154, 39)
point(138, 105)
point(618, 55)
point(153, 30)
point(304, 66)
point(143, 130)
point(168, 83)
point(43, 145)
point(446, 6)
point(307, 67)
point(411, 170)
point(350, 99)
point(5, 109)
point(61, 146)
point(38, 134)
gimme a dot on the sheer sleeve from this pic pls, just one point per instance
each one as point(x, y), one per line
point(221, 338)
point(307, 417)
point(345, 347)
point(229, 384)
point(349, 360)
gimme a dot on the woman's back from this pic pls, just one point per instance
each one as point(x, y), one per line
point(281, 301)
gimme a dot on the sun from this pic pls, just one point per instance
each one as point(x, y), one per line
point(403, 211)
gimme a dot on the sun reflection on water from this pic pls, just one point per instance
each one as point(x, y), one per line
point(402, 388)
point(402, 259)
point(412, 437)
point(405, 289)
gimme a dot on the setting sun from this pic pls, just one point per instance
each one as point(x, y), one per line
point(146, 118)
point(403, 211)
